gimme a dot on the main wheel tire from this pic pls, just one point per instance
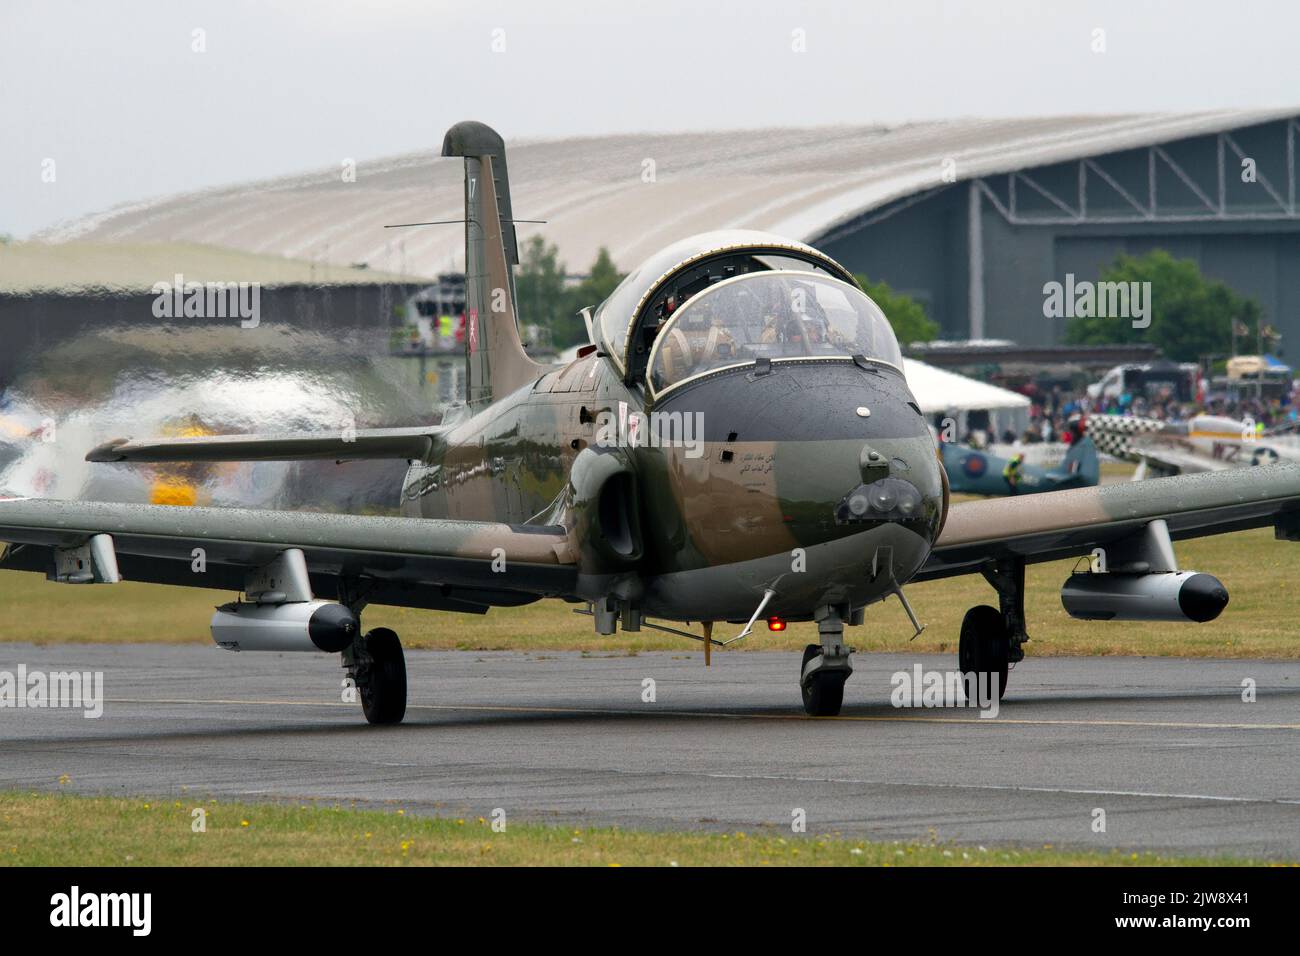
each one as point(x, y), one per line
point(985, 646)
point(383, 695)
point(823, 693)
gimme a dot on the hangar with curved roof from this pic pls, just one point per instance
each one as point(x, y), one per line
point(971, 217)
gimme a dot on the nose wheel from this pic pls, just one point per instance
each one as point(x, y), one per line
point(823, 690)
point(825, 667)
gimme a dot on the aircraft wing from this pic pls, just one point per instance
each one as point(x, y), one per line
point(1064, 524)
point(352, 445)
point(412, 562)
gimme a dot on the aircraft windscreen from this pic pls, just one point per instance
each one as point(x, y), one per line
point(774, 315)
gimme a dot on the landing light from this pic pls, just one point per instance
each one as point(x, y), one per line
point(775, 624)
point(886, 498)
point(883, 497)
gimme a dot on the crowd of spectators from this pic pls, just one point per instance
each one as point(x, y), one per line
point(1054, 411)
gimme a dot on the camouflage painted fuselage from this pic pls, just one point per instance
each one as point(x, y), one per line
point(697, 531)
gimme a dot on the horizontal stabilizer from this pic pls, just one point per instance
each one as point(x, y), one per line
point(350, 445)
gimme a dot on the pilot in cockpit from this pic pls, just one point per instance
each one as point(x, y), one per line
point(720, 344)
point(699, 340)
point(776, 315)
point(679, 349)
point(784, 318)
point(793, 316)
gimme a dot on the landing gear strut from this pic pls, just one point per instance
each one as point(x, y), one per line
point(375, 662)
point(826, 667)
point(992, 637)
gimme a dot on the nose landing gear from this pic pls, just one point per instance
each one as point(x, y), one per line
point(826, 667)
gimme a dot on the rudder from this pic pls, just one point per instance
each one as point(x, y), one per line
point(496, 363)
point(1081, 462)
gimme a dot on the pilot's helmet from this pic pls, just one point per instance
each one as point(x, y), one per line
point(799, 301)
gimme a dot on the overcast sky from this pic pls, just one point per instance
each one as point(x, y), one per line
point(116, 95)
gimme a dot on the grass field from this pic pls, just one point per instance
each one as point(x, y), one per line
point(1259, 572)
point(43, 829)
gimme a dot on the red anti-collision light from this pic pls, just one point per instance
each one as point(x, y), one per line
point(775, 624)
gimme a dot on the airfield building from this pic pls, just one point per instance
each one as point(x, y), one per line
point(971, 217)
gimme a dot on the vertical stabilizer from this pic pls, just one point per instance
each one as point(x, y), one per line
point(496, 363)
point(1081, 461)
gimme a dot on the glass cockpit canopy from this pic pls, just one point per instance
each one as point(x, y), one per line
point(771, 315)
point(625, 324)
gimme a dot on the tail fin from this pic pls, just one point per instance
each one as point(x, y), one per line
point(496, 363)
point(1081, 462)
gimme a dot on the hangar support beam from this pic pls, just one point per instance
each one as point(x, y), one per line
point(975, 245)
point(1241, 187)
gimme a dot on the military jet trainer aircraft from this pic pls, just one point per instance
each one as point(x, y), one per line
point(737, 443)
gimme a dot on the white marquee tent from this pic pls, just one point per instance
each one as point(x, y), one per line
point(940, 392)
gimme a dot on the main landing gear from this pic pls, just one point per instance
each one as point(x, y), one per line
point(985, 649)
point(992, 637)
point(826, 667)
point(374, 662)
point(376, 665)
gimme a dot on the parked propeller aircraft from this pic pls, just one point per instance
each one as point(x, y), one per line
point(974, 472)
point(1202, 443)
point(739, 442)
